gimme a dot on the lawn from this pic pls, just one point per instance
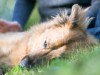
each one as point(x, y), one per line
point(85, 62)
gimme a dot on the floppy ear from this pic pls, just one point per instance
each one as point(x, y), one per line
point(77, 17)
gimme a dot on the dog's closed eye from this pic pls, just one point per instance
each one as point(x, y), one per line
point(45, 44)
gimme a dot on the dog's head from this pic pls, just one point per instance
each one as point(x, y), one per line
point(54, 40)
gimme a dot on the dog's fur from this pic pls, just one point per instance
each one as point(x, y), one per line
point(47, 40)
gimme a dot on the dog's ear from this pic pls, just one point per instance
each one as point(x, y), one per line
point(86, 9)
point(77, 17)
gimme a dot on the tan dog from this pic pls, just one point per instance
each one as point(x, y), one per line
point(47, 40)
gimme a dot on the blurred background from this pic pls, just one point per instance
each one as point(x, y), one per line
point(6, 12)
point(6, 9)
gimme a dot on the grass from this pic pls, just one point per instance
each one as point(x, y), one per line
point(85, 62)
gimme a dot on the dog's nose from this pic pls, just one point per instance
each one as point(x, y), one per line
point(24, 63)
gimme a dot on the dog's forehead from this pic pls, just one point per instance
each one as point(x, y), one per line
point(54, 30)
point(53, 34)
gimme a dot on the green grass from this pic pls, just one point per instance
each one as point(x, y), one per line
point(85, 62)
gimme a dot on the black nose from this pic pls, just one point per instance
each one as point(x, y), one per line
point(24, 63)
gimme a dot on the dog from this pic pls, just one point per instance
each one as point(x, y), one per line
point(47, 40)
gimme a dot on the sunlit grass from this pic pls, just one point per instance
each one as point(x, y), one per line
point(85, 62)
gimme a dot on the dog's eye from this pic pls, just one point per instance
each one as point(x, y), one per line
point(45, 44)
